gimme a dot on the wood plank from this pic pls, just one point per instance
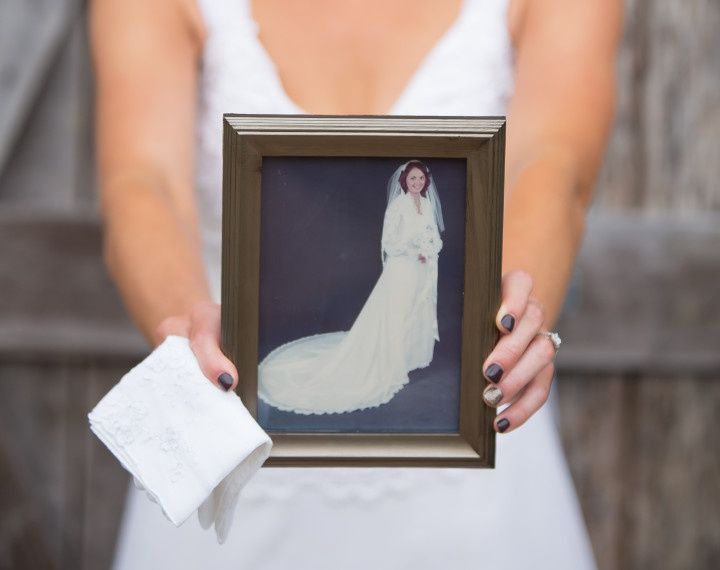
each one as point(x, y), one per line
point(74, 463)
point(57, 297)
point(620, 181)
point(106, 482)
point(664, 147)
point(86, 183)
point(30, 35)
point(592, 430)
point(58, 484)
point(646, 296)
point(625, 315)
point(673, 490)
point(31, 404)
point(49, 166)
point(22, 541)
point(681, 105)
point(643, 454)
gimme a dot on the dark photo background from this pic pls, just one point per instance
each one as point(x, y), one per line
point(321, 226)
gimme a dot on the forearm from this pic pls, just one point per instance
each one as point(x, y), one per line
point(153, 256)
point(543, 227)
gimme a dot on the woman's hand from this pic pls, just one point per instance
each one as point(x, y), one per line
point(422, 258)
point(521, 366)
point(202, 327)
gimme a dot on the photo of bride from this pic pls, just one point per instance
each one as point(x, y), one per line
point(345, 371)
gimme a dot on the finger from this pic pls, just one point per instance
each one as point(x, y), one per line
point(205, 344)
point(515, 291)
point(512, 346)
point(178, 326)
point(538, 355)
point(530, 401)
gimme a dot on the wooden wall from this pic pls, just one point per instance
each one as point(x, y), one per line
point(639, 410)
point(639, 387)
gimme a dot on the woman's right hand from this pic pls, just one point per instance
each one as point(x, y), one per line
point(202, 328)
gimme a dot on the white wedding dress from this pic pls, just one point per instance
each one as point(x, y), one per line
point(397, 326)
point(522, 514)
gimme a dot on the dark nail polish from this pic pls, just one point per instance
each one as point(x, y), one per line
point(502, 425)
point(225, 380)
point(494, 373)
point(508, 321)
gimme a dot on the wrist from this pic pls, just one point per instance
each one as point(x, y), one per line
point(179, 324)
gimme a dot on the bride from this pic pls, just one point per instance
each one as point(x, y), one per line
point(167, 71)
point(396, 329)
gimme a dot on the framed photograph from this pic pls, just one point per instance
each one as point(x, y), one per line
point(361, 265)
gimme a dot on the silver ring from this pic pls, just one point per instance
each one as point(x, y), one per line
point(554, 338)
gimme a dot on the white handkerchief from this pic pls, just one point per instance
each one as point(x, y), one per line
point(180, 436)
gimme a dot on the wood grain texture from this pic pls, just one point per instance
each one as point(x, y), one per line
point(673, 491)
point(643, 453)
point(646, 296)
point(50, 164)
point(681, 104)
point(23, 544)
point(68, 490)
point(31, 34)
point(663, 153)
point(106, 482)
point(592, 427)
point(621, 178)
point(57, 297)
point(626, 314)
point(33, 413)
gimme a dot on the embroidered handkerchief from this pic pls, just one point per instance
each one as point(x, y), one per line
point(186, 442)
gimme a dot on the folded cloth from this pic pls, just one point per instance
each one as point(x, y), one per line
point(185, 441)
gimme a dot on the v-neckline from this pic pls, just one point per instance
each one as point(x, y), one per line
point(414, 206)
point(420, 70)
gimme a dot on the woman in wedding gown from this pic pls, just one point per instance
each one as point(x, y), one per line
point(396, 329)
point(166, 72)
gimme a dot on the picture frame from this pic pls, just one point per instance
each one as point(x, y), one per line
point(258, 147)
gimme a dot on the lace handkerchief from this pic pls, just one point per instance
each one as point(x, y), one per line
point(186, 442)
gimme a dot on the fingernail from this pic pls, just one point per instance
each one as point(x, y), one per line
point(502, 425)
point(492, 395)
point(508, 321)
point(225, 380)
point(494, 373)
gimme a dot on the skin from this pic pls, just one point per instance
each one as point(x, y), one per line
point(146, 58)
point(415, 183)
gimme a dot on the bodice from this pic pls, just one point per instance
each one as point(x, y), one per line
point(408, 231)
point(468, 72)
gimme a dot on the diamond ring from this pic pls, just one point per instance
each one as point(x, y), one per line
point(554, 338)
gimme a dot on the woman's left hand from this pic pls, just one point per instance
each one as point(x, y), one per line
point(521, 366)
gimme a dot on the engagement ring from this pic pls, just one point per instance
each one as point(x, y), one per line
point(554, 338)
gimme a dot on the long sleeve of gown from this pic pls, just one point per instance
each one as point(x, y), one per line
point(394, 237)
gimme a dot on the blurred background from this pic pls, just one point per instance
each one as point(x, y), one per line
point(639, 370)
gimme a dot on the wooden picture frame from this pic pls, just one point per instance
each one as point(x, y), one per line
point(479, 143)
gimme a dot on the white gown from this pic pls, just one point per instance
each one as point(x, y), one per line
point(522, 514)
point(332, 372)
